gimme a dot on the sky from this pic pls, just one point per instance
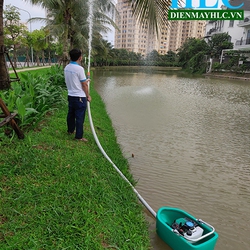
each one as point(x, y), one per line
point(37, 11)
point(31, 10)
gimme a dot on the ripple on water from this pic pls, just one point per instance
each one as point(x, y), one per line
point(190, 138)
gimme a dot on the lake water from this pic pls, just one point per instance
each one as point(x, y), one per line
point(190, 137)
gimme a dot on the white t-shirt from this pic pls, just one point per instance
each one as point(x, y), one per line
point(74, 76)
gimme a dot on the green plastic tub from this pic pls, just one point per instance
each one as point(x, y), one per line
point(202, 236)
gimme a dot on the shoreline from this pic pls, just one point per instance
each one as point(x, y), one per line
point(226, 75)
point(233, 76)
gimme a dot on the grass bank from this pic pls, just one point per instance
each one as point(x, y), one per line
point(58, 193)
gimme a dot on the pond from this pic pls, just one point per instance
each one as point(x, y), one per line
point(190, 139)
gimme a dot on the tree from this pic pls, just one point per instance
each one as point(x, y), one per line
point(136, 58)
point(51, 48)
point(67, 19)
point(103, 52)
point(5, 79)
point(153, 58)
point(13, 30)
point(190, 48)
point(217, 43)
point(191, 54)
point(170, 56)
point(28, 44)
point(40, 45)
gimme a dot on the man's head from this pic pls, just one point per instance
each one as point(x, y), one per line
point(75, 54)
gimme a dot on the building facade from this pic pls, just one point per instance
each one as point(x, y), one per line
point(131, 36)
point(139, 39)
point(239, 30)
point(179, 31)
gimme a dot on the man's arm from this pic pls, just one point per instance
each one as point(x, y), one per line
point(85, 88)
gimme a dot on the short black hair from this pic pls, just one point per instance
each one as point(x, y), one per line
point(75, 54)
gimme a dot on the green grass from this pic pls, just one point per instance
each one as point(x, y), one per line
point(58, 193)
point(29, 70)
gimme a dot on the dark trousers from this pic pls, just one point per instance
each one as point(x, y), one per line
point(76, 115)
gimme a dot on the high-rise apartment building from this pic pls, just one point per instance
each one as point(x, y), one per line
point(135, 37)
point(181, 30)
point(131, 35)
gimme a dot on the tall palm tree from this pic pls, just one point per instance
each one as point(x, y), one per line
point(60, 14)
point(67, 20)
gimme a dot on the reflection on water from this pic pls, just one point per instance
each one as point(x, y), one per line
point(191, 138)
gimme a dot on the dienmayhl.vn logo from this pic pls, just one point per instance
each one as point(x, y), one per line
point(205, 11)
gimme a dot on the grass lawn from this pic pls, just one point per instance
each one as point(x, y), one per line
point(58, 193)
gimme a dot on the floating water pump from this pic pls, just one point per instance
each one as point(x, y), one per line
point(188, 228)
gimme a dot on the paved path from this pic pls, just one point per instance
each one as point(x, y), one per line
point(28, 69)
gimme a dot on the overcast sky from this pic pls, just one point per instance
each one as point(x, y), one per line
point(31, 10)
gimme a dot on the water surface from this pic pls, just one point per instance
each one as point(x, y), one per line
point(190, 137)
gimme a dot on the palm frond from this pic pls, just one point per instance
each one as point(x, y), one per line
point(152, 12)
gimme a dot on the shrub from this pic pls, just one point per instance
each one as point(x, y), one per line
point(34, 96)
point(216, 66)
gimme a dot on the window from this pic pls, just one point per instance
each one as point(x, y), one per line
point(248, 37)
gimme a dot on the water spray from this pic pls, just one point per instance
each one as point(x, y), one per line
point(90, 21)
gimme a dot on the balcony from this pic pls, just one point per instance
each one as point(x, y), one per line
point(242, 44)
point(214, 31)
point(245, 22)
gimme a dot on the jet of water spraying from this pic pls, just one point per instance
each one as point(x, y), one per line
point(90, 21)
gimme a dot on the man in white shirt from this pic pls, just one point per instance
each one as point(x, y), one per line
point(78, 94)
